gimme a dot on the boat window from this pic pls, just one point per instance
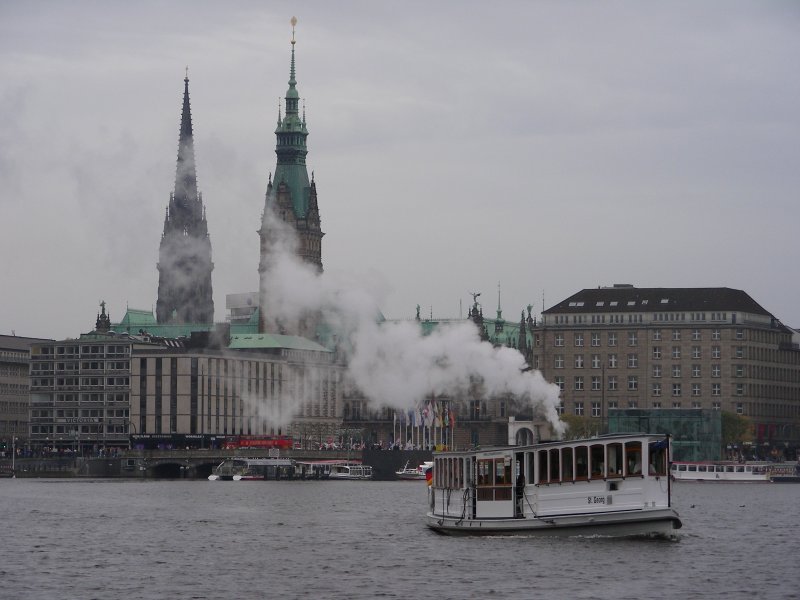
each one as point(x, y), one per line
point(658, 458)
point(566, 464)
point(614, 452)
point(633, 458)
point(598, 461)
point(729, 469)
point(544, 472)
point(581, 462)
point(531, 464)
point(693, 468)
point(555, 465)
point(702, 468)
point(740, 469)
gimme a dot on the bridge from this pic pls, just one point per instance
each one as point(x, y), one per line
point(197, 464)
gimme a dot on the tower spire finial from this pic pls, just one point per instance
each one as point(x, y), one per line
point(187, 73)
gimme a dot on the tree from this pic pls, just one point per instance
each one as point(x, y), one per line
point(735, 429)
point(579, 426)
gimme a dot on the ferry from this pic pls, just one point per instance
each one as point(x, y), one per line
point(722, 471)
point(415, 473)
point(350, 470)
point(614, 485)
point(253, 469)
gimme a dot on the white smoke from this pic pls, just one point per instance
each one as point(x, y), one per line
point(393, 363)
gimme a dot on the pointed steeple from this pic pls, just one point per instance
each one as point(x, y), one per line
point(185, 172)
point(185, 265)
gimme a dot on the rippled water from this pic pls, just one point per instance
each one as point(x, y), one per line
point(110, 539)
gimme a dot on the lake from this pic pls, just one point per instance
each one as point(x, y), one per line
point(119, 539)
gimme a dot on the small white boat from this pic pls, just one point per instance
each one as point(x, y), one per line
point(414, 474)
point(253, 469)
point(615, 485)
point(727, 471)
point(350, 470)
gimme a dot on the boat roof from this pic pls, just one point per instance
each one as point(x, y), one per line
point(607, 438)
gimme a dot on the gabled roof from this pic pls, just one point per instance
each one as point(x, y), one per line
point(632, 299)
point(273, 340)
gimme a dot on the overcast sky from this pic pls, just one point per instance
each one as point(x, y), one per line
point(547, 146)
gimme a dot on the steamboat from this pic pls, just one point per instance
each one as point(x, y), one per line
point(613, 485)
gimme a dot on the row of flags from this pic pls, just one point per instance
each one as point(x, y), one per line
point(429, 414)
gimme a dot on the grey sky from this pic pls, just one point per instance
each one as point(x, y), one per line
point(549, 146)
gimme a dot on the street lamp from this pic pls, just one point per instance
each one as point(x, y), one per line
point(13, 456)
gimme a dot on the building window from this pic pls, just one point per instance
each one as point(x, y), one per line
point(716, 389)
point(739, 370)
point(578, 340)
point(579, 361)
point(595, 409)
point(676, 404)
point(559, 339)
point(676, 370)
point(633, 404)
point(695, 389)
point(740, 334)
point(676, 352)
point(656, 335)
point(696, 334)
point(716, 352)
point(739, 352)
point(657, 404)
point(696, 352)
point(740, 389)
point(656, 352)
point(612, 383)
point(632, 338)
point(657, 388)
point(715, 334)
point(595, 361)
point(739, 408)
point(559, 361)
point(579, 409)
point(559, 381)
point(715, 370)
point(676, 335)
point(595, 339)
point(633, 361)
point(656, 370)
point(612, 361)
point(612, 404)
point(612, 339)
point(676, 389)
point(633, 383)
point(695, 370)
point(578, 383)
point(560, 408)
point(595, 383)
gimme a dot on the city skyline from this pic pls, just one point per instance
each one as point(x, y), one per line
point(544, 146)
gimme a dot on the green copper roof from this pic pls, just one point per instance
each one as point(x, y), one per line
point(136, 320)
point(291, 134)
point(271, 340)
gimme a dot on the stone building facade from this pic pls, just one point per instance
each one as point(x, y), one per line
point(672, 348)
point(15, 352)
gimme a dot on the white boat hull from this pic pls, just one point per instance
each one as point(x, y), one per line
point(658, 523)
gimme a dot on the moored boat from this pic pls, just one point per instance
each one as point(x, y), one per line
point(413, 473)
point(350, 470)
point(253, 469)
point(758, 472)
point(615, 485)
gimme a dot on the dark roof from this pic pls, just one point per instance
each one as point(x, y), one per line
point(16, 342)
point(633, 299)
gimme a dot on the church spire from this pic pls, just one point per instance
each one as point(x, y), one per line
point(185, 172)
point(185, 265)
